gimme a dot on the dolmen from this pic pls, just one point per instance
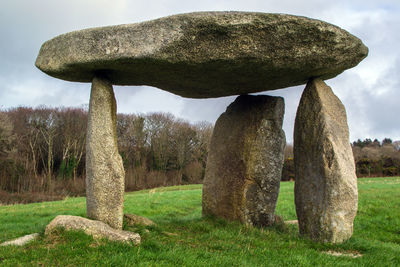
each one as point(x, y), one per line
point(215, 54)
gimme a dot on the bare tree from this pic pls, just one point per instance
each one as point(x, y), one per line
point(288, 152)
point(184, 142)
point(159, 127)
point(6, 134)
point(47, 125)
point(396, 145)
point(72, 132)
point(204, 132)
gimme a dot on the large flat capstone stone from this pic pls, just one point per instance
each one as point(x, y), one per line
point(205, 54)
point(245, 161)
point(326, 194)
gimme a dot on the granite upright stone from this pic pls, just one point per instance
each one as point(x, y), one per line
point(245, 161)
point(326, 194)
point(105, 175)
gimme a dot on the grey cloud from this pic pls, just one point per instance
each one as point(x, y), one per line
point(26, 24)
point(35, 92)
point(292, 98)
point(205, 109)
point(143, 99)
point(211, 109)
point(383, 108)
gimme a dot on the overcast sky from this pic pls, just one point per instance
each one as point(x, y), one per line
point(370, 91)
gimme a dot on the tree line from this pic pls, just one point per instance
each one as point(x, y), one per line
point(372, 158)
point(43, 150)
point(377, 158)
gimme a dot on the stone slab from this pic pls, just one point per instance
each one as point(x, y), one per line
point(205, 54)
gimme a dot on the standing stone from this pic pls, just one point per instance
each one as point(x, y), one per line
point(104, 169)
point(245, 161)
point(325, 181)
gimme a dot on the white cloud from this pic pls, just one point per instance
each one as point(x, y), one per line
point(205, 109)
point(369, 91)
point(144, 99)
point(35, 92)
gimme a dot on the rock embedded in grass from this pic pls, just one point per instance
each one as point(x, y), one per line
point(351, 254)
point(133, 220)
point(205, 54)
point(94, 228)
point(245, 161)
point(292, 222)
point(21, 241)
point(326, 195)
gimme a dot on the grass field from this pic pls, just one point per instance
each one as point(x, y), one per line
point(183, 238)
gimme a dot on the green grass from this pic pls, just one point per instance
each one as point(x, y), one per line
point(183, 238)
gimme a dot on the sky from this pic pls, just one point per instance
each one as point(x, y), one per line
point(370, 91)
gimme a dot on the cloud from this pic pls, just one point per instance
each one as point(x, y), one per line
point(369, 91)
point(205, 109)
point(144, 99)
point(36, 92)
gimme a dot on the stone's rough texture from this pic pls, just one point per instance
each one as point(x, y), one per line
point(206, 54)
point(133, 220)
point(105, 173)
point(21, 240)
point(96, 229)
point(326, 194)
point(245, 161)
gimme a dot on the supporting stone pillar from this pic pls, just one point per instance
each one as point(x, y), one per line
point(245, 161)
point(105, 175)
point(326, 194)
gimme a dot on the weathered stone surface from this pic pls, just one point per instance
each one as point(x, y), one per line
point(96, 229)
point(105, 175)
point(325, 181)
point(21, 241)
point(133, 220)
point(205, 54)
point(245, 161)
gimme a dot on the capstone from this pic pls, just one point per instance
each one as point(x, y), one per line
point(205, 54)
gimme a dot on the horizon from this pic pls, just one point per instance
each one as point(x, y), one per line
point(175, 117)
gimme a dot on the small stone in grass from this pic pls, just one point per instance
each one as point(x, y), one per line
point(345, 254)
point(21, 240)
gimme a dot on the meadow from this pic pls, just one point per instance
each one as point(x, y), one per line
point(183, 238)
